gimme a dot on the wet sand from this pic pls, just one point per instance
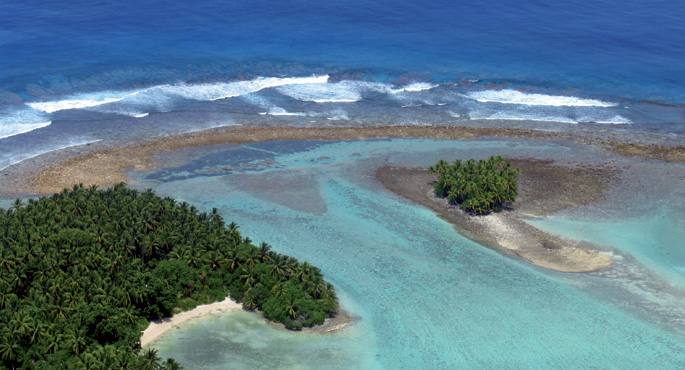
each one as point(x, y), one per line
point(507, 231)
point(105, 167)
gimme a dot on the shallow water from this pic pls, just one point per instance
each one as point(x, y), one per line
point(657, 238)
point(243, 340)
point(427, 297)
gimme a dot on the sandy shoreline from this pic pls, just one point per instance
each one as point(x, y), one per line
point(158, 328)
point(507, 231)
point(105, 167)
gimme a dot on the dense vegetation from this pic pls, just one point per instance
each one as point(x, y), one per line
point(477, 187)
point(84, 271)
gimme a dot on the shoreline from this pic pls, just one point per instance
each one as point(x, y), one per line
point(507, 231)
point(340, 321)
point(158, 328)
point(108, 166)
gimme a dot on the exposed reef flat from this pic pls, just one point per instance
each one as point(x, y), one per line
point(507, 231)
point(105, 167)
point(664, 153)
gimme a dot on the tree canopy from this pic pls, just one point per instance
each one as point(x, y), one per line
point(83, 272)
point(477, 187)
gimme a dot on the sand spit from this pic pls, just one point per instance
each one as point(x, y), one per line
point(506, 231)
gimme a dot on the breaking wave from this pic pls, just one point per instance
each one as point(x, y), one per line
point(20, 122)
point(336, 92)
point(538, 117)
point(508, 96)
point(225, 90)
point(415, 87)
point(278, 111)
point(80, 101)
point(346, 91)
point(160, 95)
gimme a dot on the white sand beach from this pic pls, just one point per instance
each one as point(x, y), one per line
point(157, 328)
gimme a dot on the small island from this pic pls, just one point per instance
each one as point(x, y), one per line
point(489, 201)
point(477, 187)
point(86, 270)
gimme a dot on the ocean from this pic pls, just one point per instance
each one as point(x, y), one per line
point(81, 74)
point(82, 71)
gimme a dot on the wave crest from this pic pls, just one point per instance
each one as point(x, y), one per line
point(543, 117)
point(416, 87)
point(225, 90)
point(508, 96)
point(337, 92)
point(161, 94)
point(20, 122)
point(80, 101)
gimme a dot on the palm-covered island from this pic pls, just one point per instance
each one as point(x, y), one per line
point(84, 271)
point(478, 187)
point(522, 186)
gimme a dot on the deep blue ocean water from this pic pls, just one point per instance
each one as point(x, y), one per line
point(632, 48)
point(78, 71)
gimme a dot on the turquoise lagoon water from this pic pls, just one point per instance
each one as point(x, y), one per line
point(426, 297)
point(657, 238)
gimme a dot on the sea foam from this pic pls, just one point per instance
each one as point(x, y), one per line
point(80, 101)
point(337, 92)
point(11, 160)
point(512, 116)
point(597, 117)
point(346, 91)
point(20, 122)
point(225, 90)
point(508, 96)
point(615, 120)
point(271, 108)
point(278, 111)
point(415, 87)
point(137, 103)
point(161, 96)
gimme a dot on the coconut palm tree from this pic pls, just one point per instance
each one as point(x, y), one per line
point(81, 270)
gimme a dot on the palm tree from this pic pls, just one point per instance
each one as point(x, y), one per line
point(9, 349)
point(264, 250)
point(75, 342)
point(171, 364)
point(80, 273)
point(150, 358)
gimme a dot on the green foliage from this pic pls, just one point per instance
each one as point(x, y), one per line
point(477, 187)
point(84, 271)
